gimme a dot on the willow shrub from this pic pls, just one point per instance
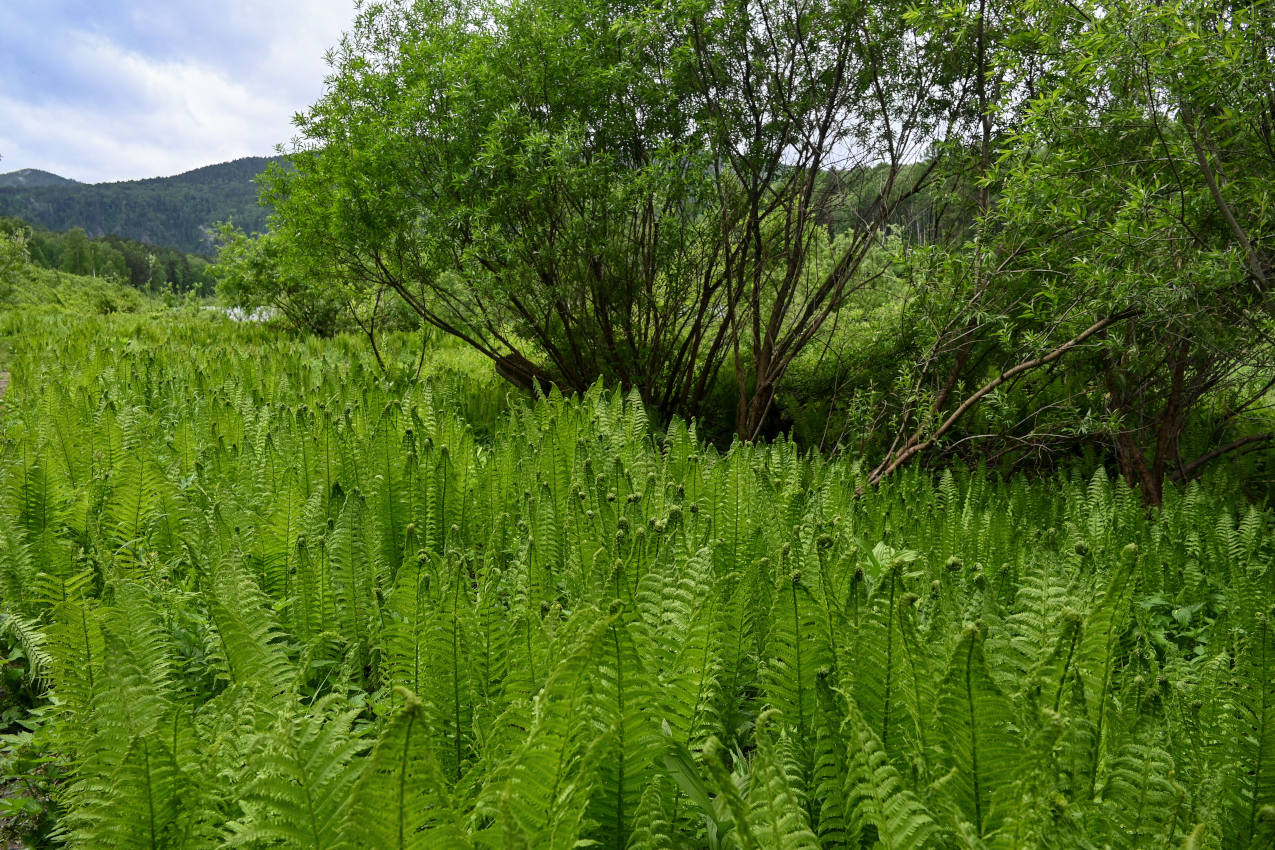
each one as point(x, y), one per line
point(280, 599)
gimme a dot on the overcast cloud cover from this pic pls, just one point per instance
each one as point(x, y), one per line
point(101, 90)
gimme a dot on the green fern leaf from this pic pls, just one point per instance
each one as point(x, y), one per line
point(1140, 796)
point(886, 685)
point(978, 743)
point(301, 770)
point(878, 794)
point(1253, 738)
point(400, 801)
point(623, 697)
point(777, 810)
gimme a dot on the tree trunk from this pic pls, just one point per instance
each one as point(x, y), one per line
point(751, 414)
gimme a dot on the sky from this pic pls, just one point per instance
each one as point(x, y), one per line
point(104, 90)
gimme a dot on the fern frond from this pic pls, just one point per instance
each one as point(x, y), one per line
point(1143, 802)
point(76, 650)
point(400, 800)
point(885, 684)
point(831, 769)
point(623, 698)
point(300, 771)
point(653, 825)
point(354, 577)
point(677, 604)
point(777, 810)
point(538, 796)
point(17, 569)
point(796, 650)
point(1099, 648)
point(137, 804)
point(26, 633)
point(1252, 790)
point(248, 637)
point(878, 794)
point(976, 738)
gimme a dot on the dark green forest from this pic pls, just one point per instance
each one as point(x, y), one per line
point(177, 212)
point(31, 177)
point(150, 268)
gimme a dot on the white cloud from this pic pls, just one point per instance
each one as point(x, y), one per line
point(123, 114)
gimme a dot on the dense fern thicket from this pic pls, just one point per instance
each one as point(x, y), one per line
point(279, 599)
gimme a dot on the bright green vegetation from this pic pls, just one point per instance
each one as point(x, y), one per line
point(1017, 232)
point(281, 599)
point(33, 288)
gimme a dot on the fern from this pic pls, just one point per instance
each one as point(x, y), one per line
point(1143, 802)
point(76, 650)
point(400, 800)
point(404, 651)
point(828, 785)
point(130, 802)
point(623, 697)
point(677, 608)
point(980, 746)
point(795, 652)
point(885, 684)
point(538, 795)
point(353, 579)
point(247, 635)
point(301, 769)
point(777, 810)
point(130, 790)
point(26, 633)
point(653, 827)
point(230, 558)
point(1099, 649)
point(1253, 739)
point(878, 794)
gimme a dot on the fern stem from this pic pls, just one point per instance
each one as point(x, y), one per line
point(889, 665)
point(401, 809)
point(973, 719)
point(150, 795)
point(1263, 723)
point(801, 695)
point(621, 838)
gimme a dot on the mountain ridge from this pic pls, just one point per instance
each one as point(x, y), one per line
point(33, 177)
point(178, 211)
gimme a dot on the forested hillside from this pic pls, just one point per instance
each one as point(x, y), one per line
point(31, 178)
point(177, 212)
point(153, 268)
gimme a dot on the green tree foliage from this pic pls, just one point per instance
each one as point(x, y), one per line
point(150, 268)
point(637, 193)
point(259, 271)
point(1118, 293)
point(279, 597)
point(1003, 230)
point(14, 256)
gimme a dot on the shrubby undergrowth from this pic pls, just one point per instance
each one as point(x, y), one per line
point(274, 596)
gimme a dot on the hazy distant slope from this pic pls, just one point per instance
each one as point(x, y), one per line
point(174, 211)
point(32, 178)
